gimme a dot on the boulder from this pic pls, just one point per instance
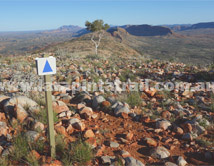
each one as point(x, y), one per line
point(170, 164)
point(3, 100)
point(89, 134)
point(150, 142)
point(130, 161)
point(32, 136)
point(187, 137)
point(107, 159)
point(60, 106)
point(181, 161)
point(160, 153)
point(86, 112)
point(114, 144)
point(77, 124)
point(24, 102)
point(97, 101)
point(120, 108)
point(163, 124)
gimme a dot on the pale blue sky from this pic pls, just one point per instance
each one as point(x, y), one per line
point(38, 15)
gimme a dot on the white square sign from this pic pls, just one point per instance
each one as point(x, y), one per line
point(46, 66)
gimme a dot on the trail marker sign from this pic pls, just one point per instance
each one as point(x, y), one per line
point(46, 65)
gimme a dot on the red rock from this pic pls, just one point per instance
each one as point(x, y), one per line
point(166, 114)
point(89, 134)
point(21, 114)
point(60, 106)
point(80, 106)
point(179, 130)
point(100, 150)
point(172, 147)
point(151, 142)
point(70, 129)
point(187, 94)
point(151, 92)
point(86, 113)
point(125, 154)
point(39, 126)
point(124, 115)
point(129, 136)
point(92, 142)
point(145, 119)
point(106, 104)
point(61, 130)
point(35, 154)
point(2, 116)
point(187, 127)
point(1, 149)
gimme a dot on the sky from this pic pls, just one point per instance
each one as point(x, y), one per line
point(16, 15)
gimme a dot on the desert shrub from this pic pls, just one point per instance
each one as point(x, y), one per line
point(77, 152)
point(92, 57)
point(134, 99)
point(41, 116)
point(4, 161)
point(81, 152)
point(127, 74)
point(21, 148)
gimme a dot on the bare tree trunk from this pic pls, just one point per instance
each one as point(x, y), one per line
point(97, 43)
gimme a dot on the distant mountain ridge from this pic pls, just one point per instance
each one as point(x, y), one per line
point(144, 30)
point(136, 30)
point(183, 27)
point(65, 28)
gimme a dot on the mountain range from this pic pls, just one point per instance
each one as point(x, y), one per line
point(137, 30)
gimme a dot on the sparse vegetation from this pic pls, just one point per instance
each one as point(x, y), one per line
point(81, 152)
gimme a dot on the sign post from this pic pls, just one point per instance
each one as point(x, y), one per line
point(47, 66)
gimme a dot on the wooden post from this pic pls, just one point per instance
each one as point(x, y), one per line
point(49, 107)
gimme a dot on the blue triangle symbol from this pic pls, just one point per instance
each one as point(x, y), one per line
point(47, 67)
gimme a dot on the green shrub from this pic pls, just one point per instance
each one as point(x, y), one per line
point(127, 74)
point(4, 161)
point(81, 152)
point(42, 116)
point(134, 99)
point(21, 148)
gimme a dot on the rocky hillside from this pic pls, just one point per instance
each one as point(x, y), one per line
point(117, 127)
point(83, 46)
